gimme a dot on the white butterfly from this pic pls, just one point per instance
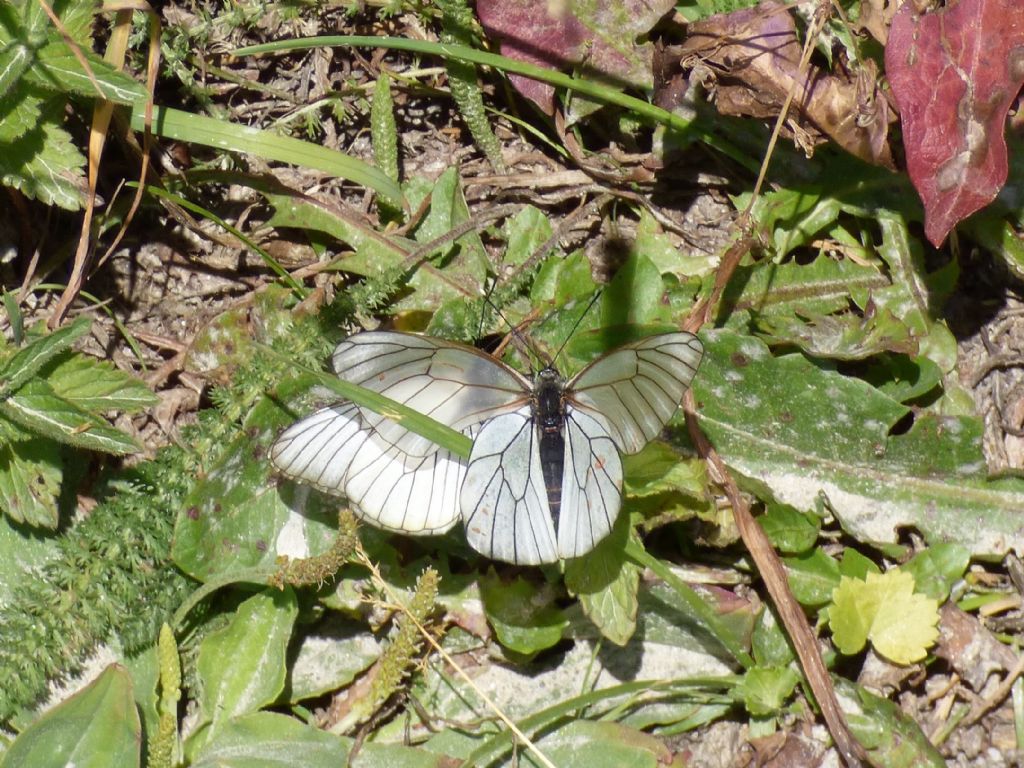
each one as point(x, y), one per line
point(543, 481)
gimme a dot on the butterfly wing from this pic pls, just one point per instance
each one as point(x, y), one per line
point(391, 476)
point(504, 501)
point(637, 387)
point(591, 483)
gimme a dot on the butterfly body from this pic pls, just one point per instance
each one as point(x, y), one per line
point(549, 414)
point(544, 476)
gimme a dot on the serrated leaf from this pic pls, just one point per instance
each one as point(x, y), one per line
point(96, 728)
point(800, 434)
point(37, 408)
point(26, 362)
point(884, 608)
point(45, 164)
point(57, 67)
point(606, 582)
point(242, 666)
point(96, 385)
point(30, 477)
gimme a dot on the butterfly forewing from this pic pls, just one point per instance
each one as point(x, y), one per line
point(455, 385)
point(637, 387)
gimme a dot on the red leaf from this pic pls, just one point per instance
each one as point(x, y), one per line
point(955, 74)
point(559, 34)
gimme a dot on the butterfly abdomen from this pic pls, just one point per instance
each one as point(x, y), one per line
point(549, 413)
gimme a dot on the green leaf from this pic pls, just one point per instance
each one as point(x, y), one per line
point(769, 643)
point(937, 568)
point(884, 608)
point(30, 477)
point(789, 531)
point(765, 689)
point(329, 658)
point(96, 728)
point(225, 136)
point(270, 740)
point(29, 360)
point(525, 232)
point(96, 385)
point(59, 68)
point(800, 434)
point(891, 737)
point(855, 565)
point(587, 744)
point(812, 577)
point(37, 408)
point(606, 582)
point(242, 667)
point(523, 615)
point(236, 517)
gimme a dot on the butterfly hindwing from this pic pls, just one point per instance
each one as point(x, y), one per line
point(591, 484)
point(637, 387)
point(504, 501)
point(335, 452)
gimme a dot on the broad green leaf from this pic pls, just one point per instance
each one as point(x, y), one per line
point(658, 468)
point(237, 518)
point(891, 737)
point(802, 434)
point(665, 253)
point(37, 408)
point(820, 288)
point(242, 666)
point(855, 565)
point(633, 297)
point(812, 577)
point(937, 568)
point(27, 361)
point(462, 265)
point(883, 608)
point(903, 378)
point(789, 531)
point(765, 689)
point(270, 740)
point(522, 613)
point(30, 478)
point(96, 385)
point(525, 232)
point(98, 727)
point(770, 645)
point(329, 658)
point(606, 583)
point(587, 744)
point(843, 337)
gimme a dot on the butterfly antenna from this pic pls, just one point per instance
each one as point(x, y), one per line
point(514, 336)
point(572, 331)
